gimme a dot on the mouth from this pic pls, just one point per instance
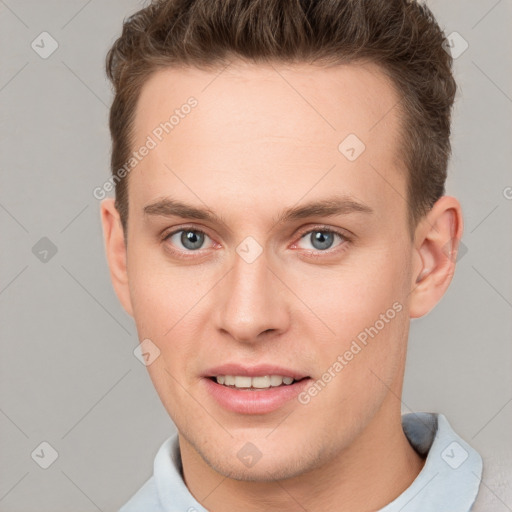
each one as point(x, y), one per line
point(256, 383)
point(259, 394)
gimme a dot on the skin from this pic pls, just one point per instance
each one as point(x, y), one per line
point(250, 149)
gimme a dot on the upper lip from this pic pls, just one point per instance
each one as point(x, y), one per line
point(253, 371)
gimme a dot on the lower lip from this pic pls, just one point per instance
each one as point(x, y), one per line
point(246, 401)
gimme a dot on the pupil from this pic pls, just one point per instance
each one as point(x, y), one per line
point(322, 239)
point(192, 239)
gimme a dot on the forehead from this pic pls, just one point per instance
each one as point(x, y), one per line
point(260, 129)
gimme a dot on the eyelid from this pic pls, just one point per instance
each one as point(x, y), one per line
point(168, 234)
point(347, 238)
point(326, 229)
point(187, 227)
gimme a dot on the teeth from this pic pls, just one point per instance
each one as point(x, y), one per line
point(260, 382)
point(276, 380)
point(263, 382)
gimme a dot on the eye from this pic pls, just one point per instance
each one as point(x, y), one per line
point(190, 239)
point(322, 239)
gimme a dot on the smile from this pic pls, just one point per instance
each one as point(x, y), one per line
point(259, 382)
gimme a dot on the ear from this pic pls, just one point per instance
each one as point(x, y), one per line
point(435, 250)
point(115, 248)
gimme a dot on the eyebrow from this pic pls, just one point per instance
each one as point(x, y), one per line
point(328, 207)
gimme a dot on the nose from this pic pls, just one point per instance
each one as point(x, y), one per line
point(252, 302)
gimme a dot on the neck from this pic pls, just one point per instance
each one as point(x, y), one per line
point(380, 459)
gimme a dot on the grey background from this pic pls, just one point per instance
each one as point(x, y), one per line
point(68, 373)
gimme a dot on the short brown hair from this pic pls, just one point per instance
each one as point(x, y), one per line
point(401, 36)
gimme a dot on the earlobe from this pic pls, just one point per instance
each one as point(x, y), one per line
point(436, 244)
point(116, 253)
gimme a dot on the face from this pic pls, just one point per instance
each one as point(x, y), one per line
point(268, 278)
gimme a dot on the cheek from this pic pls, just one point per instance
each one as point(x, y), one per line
point(354, 295)
point(164, 313)
point(160, 292)
point(365, 307)
point(361, 366)
point(167, 304)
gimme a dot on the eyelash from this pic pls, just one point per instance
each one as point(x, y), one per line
point(345, 240)
point(313, 253)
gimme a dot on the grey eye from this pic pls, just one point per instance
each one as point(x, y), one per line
point(189, 239)
point(320, 240)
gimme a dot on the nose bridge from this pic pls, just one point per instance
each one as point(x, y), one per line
point(251, 303)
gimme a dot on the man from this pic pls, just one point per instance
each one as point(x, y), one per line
point(279, 218)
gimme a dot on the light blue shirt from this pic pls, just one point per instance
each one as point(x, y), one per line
point(448, 482)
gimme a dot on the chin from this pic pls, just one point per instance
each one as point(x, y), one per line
point(268, 471)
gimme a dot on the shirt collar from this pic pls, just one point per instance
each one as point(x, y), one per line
point(450, 478)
